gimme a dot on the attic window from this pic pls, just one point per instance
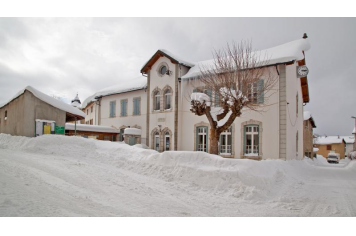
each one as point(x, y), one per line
point(5, 115)
point(163, 70)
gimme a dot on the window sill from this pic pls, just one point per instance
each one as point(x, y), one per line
point(112, 116)
point(252, 157)
point(136, 115)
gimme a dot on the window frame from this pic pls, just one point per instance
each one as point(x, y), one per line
point(252, 133)
point(112, 109)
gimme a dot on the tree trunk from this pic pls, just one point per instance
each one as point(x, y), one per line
point(213, 142)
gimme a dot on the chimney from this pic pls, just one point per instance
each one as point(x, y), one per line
point(305, 36)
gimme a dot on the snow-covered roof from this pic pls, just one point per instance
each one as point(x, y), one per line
point(123, 87)
point(353, 131)
point(164, 52)
point(328, 140)
point(92, 128)
point(49, 100)
point(280, 54)
point(307, 116)
point(133, 131)
point(349, 139)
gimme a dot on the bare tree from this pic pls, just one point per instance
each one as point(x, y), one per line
point(237, 80)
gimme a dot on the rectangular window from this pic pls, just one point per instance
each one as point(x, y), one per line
point(5, 115)
point(91, 109)
point(136, 106)
point(225, 147)
point(328, 147)
point(124, 107)
point(251, 144)
point(202, 138)
point(255, 92)
point(91, 121)
point(112, 109)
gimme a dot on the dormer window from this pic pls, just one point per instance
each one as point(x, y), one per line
point(163, 70)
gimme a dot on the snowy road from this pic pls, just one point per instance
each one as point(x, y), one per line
point(90, 178)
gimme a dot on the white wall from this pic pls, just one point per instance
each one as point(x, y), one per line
point(130, 120)
point(92, 115)
point(268, 118)
point(294, 120)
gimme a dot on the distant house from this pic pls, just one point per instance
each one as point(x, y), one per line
point(308, 124)
point(32, 113)
point(349, 144)
point(327, 144)
point(92, 131)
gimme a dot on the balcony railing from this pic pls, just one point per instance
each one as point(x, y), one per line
point(225, 149)
point(251, 149)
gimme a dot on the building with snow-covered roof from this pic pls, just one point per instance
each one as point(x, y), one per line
point(31, 113)
point(160, 107)
point(327, 144)
point(92, 131)
point(308, 126)
point(349, 144)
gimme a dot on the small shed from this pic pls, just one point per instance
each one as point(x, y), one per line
point(92, 131)
point(132, 136)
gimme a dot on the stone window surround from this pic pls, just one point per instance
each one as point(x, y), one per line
point(260, 133)
point(232, 143)
point(159, 68)
point(208, 125)
point(162, 99)
point(133, 106)
point(202, 123)
point(161, 138)
point(126, 107)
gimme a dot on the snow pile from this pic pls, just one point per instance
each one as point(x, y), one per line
point(92, 128)
point(123, 87)
point(349, 139)
point(133, 131)
point(201, 97)
point(49, 100)
point(283, 53)
point(77, 176)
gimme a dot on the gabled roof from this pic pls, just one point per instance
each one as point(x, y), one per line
point(71, 111)
point(349, 139)
point(308, 116)
point(164, 53)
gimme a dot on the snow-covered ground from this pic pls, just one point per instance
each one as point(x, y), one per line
point(71, 176)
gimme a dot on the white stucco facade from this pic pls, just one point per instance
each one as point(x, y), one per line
point(174, 127)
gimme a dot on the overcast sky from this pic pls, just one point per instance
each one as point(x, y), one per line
point(63, 56)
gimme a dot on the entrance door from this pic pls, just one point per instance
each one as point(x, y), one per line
point(46, 129)
point(132, 141)
point(156, 143)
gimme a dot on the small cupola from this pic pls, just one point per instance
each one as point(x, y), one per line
point(76, 102)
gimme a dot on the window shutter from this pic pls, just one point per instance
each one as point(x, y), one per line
point(125, 110)
point(122, 108)
point(209, 93)
point(260, 92)
point(196, 139)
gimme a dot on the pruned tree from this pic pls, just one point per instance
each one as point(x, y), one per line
point(238, 80)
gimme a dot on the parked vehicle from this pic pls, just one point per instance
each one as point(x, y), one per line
point(333, 158)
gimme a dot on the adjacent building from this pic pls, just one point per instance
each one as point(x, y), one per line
point(92, 131)
point(327, 144)
point(308, 126)
point(158, 104)
point(32, 113)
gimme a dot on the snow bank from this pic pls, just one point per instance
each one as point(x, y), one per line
point(246, 179)
point(49, 100)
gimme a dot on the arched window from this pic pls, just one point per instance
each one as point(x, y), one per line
point(167, 141)
point(167, 99)
point(157, 101)
point(156, 141)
